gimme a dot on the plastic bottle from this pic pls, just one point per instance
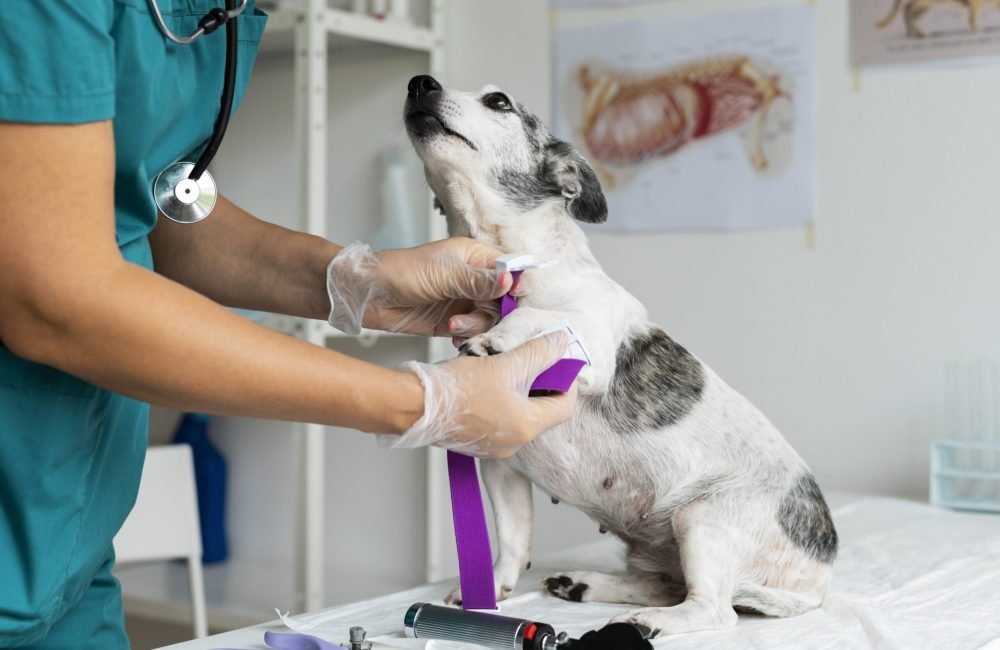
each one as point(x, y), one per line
point(210, 477)
point(399, 226)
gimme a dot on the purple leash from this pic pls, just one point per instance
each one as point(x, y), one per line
point(475, 557)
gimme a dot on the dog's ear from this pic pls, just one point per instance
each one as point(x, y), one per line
point(577, 181)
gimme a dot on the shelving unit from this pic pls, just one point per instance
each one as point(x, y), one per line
point(310, 37)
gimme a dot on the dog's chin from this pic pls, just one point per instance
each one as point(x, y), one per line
point(424, 126)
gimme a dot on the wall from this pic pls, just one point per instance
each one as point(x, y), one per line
point(841, 345)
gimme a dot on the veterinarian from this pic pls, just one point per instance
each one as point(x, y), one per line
point(105, 308)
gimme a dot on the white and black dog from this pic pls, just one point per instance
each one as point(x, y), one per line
point(716, 509)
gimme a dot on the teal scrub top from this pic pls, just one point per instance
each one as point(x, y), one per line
point(70, 452)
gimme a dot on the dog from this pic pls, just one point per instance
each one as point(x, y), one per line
point(715, 508)
point(915, 9)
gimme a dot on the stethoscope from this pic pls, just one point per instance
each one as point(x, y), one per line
point(185, 192)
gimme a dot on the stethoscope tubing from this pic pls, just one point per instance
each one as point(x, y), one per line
point(186, 40)
point(226, 103)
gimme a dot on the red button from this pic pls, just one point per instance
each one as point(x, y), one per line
point(529, 632)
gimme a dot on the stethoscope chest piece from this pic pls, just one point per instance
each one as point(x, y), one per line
point(184, 199)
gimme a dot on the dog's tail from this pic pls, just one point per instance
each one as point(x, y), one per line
point(882, 24)
point(775, 602)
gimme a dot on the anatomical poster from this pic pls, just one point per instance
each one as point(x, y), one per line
point(694, 123)
point(914, 31)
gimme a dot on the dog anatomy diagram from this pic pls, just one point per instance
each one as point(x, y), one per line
point(702, 122)
point(627, 120)
point(912, 31)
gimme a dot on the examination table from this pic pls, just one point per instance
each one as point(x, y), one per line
point(908, 576)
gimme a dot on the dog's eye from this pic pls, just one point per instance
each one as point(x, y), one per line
point(498, 102)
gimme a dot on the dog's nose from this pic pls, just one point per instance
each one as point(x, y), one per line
point(422, 85)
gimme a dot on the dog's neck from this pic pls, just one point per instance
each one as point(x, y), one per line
point(546, 231)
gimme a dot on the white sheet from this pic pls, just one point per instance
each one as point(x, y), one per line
point(908, 576)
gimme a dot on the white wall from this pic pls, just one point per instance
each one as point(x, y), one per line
point(842, 345)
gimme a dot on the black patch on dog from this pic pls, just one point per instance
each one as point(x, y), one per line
point(531, 124)
point(656, 383)
point(562, 173)
point(588, 204)
point(805, 518)
point(527, 191)
point(564, 587)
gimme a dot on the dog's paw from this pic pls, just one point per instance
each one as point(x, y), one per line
point(485, 345)
point(455, 597)
point(568, 586)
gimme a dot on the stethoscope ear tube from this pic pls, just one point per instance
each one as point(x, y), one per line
point(226, 103)
point(186, 192)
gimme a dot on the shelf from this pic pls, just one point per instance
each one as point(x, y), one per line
point(347, 30)
point(977, 505)
point(983, 474)
point(964, 443)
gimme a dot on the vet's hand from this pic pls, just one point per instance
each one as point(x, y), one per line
point(445, 288)
point(480, 405)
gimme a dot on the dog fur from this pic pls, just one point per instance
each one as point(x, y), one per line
point(716, 509)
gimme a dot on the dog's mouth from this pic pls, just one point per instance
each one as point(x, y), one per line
point(423, 123)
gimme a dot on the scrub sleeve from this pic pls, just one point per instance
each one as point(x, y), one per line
point(71, 453)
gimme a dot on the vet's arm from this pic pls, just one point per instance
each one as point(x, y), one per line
point(69, 300)
point(241, 261)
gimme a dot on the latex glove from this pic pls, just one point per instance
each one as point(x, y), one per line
point(480, 405)
point(447, 287)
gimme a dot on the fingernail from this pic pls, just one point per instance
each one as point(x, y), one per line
point(458, 325)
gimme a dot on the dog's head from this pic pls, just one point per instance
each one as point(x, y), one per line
point(488, 144)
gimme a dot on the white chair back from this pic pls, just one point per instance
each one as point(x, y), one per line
point(164, 524)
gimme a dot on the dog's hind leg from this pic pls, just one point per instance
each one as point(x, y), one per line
point(646, 589)
point(709, 559)
point(775, 602)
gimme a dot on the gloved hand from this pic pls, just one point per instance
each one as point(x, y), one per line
point(480, 405)
point(431, 289)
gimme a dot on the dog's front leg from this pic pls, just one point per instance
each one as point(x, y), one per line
point(519, 326)
point(510, 494)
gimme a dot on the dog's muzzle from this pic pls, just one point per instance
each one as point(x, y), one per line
point(423, 94)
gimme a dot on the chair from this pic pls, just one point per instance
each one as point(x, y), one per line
point(163, 525)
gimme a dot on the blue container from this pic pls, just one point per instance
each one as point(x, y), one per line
point(210, 477)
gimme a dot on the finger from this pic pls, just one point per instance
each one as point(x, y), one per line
point(539, 354)
point(553, 409)
point(524, 284)
point(488, 285)
point(479, 254)
point(466, 325)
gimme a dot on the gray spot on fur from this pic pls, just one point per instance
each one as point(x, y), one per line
point(805, 518)
point(656, 383)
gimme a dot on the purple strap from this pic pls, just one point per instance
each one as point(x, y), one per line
point(475, 557)
point(508, 303)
